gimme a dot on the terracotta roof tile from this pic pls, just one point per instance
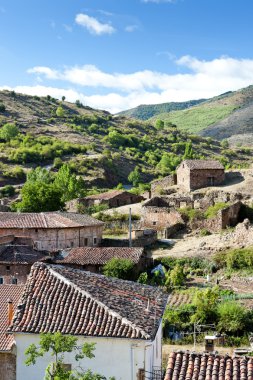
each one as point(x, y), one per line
point(46, 220)
point(99, 255)
point(194, 366)
point(203, 164)
point(12, 292)
point(76, 302)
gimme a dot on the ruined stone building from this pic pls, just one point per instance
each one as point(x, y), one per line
point(17, 255)
point(52, 231)
point(195, 174)
point(114, 198)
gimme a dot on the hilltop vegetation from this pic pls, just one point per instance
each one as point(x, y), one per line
point(103, 149)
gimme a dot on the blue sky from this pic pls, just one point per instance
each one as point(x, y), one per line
point(117, 54)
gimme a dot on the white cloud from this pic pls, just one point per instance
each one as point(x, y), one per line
point(198, 79)
point(131, 28)
point(93, 25)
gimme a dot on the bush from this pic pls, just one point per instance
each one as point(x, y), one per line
point(212, 211)
point(7, 191)
point(204, 232)
point(2, 107)
point(119, 268)
point(9, 131)
point(232, 317)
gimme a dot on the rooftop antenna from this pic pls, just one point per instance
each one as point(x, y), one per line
point(130, 228)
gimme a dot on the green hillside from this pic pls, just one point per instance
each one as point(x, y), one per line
point(145, 111)
point(98, 146)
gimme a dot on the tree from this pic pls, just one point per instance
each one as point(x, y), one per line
point(40, 197)
point(134, 176)
point(188, 153)
point(205, 302)
point(232, 317)
point(176, 277)
point(39, 175)
point(159, 124)
point(57, 345)
point(60, 112)
point(63, 98)
point(9, 131)
point(119, 268)
point(67, 183)
point(2, 107)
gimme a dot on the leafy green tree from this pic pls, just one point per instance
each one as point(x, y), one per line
point(39, 175)
point(206, 302)
point(232, 317)
point(168, 163)
point(60, 112)
point(57, 345)
point(9, 131)
point(63, 98)
point(68, 184)
point(176, 277)
point(159, 124)
point(39, 197)
point(134, 176)
point(188, 153)
point(119, 268)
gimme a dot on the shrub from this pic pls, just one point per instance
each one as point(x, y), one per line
point(2, 107)
point(9, 131)
point(204, 232)
point(7, 191)
point(232, 317)
point(119, 268)
point(212, 211)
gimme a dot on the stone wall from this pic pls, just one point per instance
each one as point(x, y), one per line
point(160, 217)
point(227, 217)
point(9, 272)
point(51, 239)
point(196, 179)
point(140, 238)
point(161, 186)
point(7, 366)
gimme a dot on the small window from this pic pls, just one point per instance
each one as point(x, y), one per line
point(154, 223)
point(95, 241)
point(8, 267)
point(1, 280)
point(14, 281)
point(36, 229)
point(72, 244)
point(85, 242)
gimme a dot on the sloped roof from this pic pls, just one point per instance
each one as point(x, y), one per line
point(108, 195)
point(187, 365)
point(12, 292)
point(21, 254)
point(99, 255)
point(202, 164)
point(46, 220)
point(58, 298)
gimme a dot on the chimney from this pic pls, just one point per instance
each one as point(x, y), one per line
point(10, 311)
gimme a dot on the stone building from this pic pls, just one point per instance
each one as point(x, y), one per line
point(52, 231)
point(195, 174)
point(17, 255)
point(93, 259)
point(9, 296)
point(157, 214)
point(114, 198)
point(163, 185)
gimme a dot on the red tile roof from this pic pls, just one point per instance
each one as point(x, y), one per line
point(76, 302)
point(12, 292)
point(107, 195)
point(194, 366)
point(202, 164)
point(99, 255)
point(46, 220)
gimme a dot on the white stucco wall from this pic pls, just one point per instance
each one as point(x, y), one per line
point(117, 357)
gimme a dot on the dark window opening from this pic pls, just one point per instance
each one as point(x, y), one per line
point(1, 280)
point(14, 281)
point(8, 267)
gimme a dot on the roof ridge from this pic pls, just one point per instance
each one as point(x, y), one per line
point(44, 219)
point(85, 293)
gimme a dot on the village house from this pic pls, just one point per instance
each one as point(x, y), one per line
point(195, 174)
point(93, 259)
point(52, 231)
point(122, 318)
point(17, 255)
point(113, 198)
point(157, 214)
point(192, 365)
point(9, 296)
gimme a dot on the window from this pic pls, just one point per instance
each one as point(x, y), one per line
point(1, 280)
point(8, 267)
point(154, 223)
point(14, 281)
point(72, 244)
point(95, 241)
point(36, 229)
point(85, 242)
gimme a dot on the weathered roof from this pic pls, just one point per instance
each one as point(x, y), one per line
point(12, 292)
point(202, 164)
point(58, 298)
point(21, 254)
point(108, 195)
point(46, 220)
point(187, 365)
point(99, 255)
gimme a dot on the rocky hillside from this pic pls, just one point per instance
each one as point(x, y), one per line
point(100, 147)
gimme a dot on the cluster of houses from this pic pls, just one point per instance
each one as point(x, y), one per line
point(50, 280)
